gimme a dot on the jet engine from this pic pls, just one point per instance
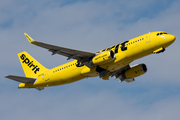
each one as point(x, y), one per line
point(103, 58)
point(134, 71)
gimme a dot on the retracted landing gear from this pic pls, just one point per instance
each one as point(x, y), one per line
point(103, 73)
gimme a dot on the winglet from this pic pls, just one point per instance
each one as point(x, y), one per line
point(31, 40)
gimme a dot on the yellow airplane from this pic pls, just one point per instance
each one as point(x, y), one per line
point(112, 61)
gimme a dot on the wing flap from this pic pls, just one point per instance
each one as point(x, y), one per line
point(21, 79)
point(119, 71)
point(118, 74)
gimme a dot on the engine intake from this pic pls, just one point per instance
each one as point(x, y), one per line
point(103, 58)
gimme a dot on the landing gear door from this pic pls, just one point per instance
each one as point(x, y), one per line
point(148, 37)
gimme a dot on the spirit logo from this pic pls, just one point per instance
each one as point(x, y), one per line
point(29, 63)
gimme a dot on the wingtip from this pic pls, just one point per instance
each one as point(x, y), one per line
point(6, 76)
point(26, 34)
point(30, 39)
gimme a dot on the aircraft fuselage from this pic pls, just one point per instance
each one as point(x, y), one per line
point(125, 53)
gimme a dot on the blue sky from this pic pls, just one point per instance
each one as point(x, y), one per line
point(89, 26)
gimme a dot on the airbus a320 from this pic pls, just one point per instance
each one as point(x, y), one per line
point(112, 61)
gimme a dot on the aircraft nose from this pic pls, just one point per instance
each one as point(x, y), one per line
point(172, 38)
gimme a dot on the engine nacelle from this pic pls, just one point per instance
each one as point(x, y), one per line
point(134, 71)
point(103, 58)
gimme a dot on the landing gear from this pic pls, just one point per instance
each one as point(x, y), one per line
point(103, 73)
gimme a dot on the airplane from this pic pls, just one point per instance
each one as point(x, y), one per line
point(112, 61)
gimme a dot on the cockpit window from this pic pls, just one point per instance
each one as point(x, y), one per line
point(161, 33)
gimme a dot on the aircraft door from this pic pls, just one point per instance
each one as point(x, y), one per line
point(46, 76)
point(148, 37)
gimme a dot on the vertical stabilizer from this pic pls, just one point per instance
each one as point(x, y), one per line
point(31, 67)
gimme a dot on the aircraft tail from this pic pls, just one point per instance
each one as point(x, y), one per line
point(31, 67)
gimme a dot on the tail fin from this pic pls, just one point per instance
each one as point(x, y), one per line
point(31, 67)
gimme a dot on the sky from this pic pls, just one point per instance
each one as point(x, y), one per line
point(89, 25)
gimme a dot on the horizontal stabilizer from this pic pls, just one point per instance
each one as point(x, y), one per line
point(21, 79)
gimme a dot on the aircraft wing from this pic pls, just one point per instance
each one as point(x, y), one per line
point(81, 56)
point(119, 74)
point(21, 79)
